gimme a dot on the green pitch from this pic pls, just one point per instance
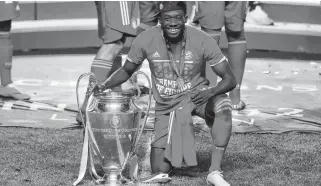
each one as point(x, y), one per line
point(52, 157)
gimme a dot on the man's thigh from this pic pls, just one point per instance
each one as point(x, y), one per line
point(235, 15)
point(214, 105)
point(210, 14)
point(148, 11)
point(161, 130)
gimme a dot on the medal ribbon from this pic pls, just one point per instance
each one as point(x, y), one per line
point(172, 57)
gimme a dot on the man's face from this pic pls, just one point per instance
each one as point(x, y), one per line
point(173, 24)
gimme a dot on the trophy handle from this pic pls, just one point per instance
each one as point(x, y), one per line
point(141, 127)
point(135, 98)
point(90, 87)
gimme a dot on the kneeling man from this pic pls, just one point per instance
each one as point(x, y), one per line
point(177, 56)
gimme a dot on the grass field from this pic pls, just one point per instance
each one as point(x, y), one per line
point(52, 157)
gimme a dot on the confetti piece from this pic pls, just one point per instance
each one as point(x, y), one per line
point(313, 63)
point(266, 72)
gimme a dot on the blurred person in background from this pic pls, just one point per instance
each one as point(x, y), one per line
point(117, 23)
point(8, 12)
point(148, 12)
point(211, 17)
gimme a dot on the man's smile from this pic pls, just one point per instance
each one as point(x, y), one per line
point(173, 30)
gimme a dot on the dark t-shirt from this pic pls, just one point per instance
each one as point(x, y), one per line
point(200, 49)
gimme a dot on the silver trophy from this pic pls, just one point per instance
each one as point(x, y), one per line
point(113, 127)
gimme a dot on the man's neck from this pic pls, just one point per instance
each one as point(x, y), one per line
point(175, 41)
point(176, 48)
point(174, 44)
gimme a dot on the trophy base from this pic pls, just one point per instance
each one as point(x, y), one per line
point(111, 179)
point(105, 183)
point(144, 184)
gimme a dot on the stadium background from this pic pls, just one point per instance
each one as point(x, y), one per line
point(61, 24)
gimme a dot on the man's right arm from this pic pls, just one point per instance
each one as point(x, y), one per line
point(121, 75)
point(135, 57)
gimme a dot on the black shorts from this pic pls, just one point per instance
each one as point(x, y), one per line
point(216, 14)
point(5, 26)
point(148, 11)
point(117, 19)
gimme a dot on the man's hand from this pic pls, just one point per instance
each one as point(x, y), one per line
point(202, 96)
point(100, 87)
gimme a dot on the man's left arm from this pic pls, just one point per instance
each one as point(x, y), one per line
point(228, 83)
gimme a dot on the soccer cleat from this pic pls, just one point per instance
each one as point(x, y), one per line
point(259, 17)
point(10, 91)
point(156, 178)
point(215, 178)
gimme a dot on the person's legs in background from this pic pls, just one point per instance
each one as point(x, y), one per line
point(237, 58)
point(113, 29)
point(234, 27)
point(210, 16)
point(148, 12)
point(7, 88)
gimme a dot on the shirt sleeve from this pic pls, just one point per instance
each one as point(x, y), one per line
point(137, 52)
point(212, 53)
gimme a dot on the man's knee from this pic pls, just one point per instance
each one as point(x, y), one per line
point(109, 51)
point(159, 164)
point(235, 36)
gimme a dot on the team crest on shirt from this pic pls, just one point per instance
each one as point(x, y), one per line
point(135, 23)
point(188, 55)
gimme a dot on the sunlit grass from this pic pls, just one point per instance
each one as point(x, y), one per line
point(52, 157)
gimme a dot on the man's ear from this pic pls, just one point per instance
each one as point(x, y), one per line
point(186, 17)
point(159, 17)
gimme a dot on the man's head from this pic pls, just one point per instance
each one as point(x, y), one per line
point(172, 19)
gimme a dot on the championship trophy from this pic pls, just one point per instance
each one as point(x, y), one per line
point(113, 126)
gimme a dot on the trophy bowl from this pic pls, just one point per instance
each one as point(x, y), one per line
point(113, 101)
